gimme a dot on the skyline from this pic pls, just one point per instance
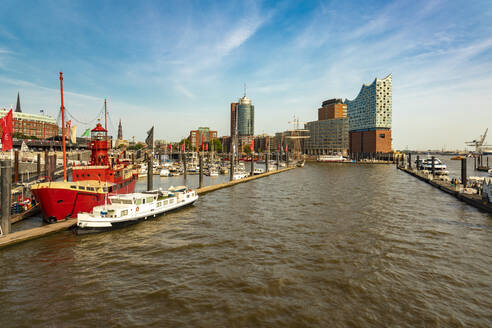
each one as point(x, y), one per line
point(182, 64)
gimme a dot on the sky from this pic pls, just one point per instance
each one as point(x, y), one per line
point(178, 65)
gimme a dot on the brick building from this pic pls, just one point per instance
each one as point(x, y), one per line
point(195, 136)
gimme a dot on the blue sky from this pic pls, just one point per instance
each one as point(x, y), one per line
point(179, 65)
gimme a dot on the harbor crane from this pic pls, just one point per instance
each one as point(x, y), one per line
point(479, 144)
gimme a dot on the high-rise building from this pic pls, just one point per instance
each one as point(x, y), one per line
point(370, 116)
point(330, 133)
point(245, 117)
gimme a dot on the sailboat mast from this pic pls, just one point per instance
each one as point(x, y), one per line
point(63, 130)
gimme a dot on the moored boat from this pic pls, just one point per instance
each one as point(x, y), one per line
point(90, 183)
point(131, 208)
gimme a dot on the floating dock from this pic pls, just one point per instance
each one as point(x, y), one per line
point(454, 190)
point(25, 235)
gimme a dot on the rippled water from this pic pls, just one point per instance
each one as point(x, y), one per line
point(328, 245)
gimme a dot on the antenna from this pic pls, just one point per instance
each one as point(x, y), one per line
point(245, 89)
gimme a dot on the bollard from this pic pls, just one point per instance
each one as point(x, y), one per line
point(418, 163)
point(463, 172)
point(267, 159)
point(150, 172)
point(286, 159)
point(278, 160)
point(231, 171)
point(433, 168)
point(38, 166)
point(16, 166)
point(200, 162)
point(6, 172)
point(184, 166)
point(410, 161)
point(252, 166)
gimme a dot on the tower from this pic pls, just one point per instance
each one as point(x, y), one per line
point(120, 131)
point(18, 106)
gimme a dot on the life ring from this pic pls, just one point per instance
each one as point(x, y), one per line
point(137, 209)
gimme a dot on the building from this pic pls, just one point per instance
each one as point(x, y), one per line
point(328, 137)
point(31, 125)
point(330, 133)
point(370, 116)
point(333, 108)
point(119, 141)
point(195, 136)
point(245, 117)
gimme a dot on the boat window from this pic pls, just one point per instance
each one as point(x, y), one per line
point(165, 202)
point(73, 187)
point(81, 187)
point(90, 188)
point(115, 201)
point(150, 199)
point(105, 189)
point(124, 212)
point(171, 201)
point(159, 204)
point(138, 202)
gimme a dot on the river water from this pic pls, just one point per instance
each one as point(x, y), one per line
point(328, 245)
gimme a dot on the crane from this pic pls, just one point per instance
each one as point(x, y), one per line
point(479, 144)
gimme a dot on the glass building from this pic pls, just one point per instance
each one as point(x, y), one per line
point(245, 117)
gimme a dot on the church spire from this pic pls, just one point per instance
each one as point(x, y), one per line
point(120, 131)
point(18, 106)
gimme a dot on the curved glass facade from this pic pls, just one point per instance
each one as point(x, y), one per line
point(246, 117)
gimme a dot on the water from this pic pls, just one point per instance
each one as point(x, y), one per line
point(329, 245)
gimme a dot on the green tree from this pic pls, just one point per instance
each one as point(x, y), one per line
point(217, 145)
point(247, 149)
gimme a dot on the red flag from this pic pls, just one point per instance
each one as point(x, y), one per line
point(6, 124)
point(285, 147)
point(170, 147)
point(182, 147)
point(252, 145)
point(206, 147)
point(203, 140)
point(278, 147)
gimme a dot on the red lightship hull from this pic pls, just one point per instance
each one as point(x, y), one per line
point(59, 203)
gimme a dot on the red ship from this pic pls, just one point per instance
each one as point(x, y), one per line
point(91, 184)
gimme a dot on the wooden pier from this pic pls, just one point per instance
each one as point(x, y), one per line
point(25, 235)
point(454, 190)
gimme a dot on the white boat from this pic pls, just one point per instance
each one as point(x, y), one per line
point(258, 171)
point(213, 172)
point(142, 172)
point(439, 167)
point(239, 175)
point(164, 173)
point(331, 158)
point(490, 172)
point(126, 209)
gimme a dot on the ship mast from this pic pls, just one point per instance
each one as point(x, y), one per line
point(105, 120)
point(63, 130)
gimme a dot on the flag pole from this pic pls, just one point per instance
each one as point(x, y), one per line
point(63, 130)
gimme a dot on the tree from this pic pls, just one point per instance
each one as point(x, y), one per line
point(217, 145)
point(247, 149)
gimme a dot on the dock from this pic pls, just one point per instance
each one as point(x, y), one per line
point(48, 229)
point(474, 200)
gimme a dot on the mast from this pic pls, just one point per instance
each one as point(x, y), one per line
point(63, 130)
point(105, 119)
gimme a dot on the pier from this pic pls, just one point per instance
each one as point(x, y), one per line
point(45, 230)
point(456, 190)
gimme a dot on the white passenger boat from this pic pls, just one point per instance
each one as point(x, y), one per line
point(439, 167)
point(126, 209)
point(164, 173)
point(331, 158)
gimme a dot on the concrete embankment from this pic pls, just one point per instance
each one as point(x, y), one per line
point(454, 190)
point(25, 235)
